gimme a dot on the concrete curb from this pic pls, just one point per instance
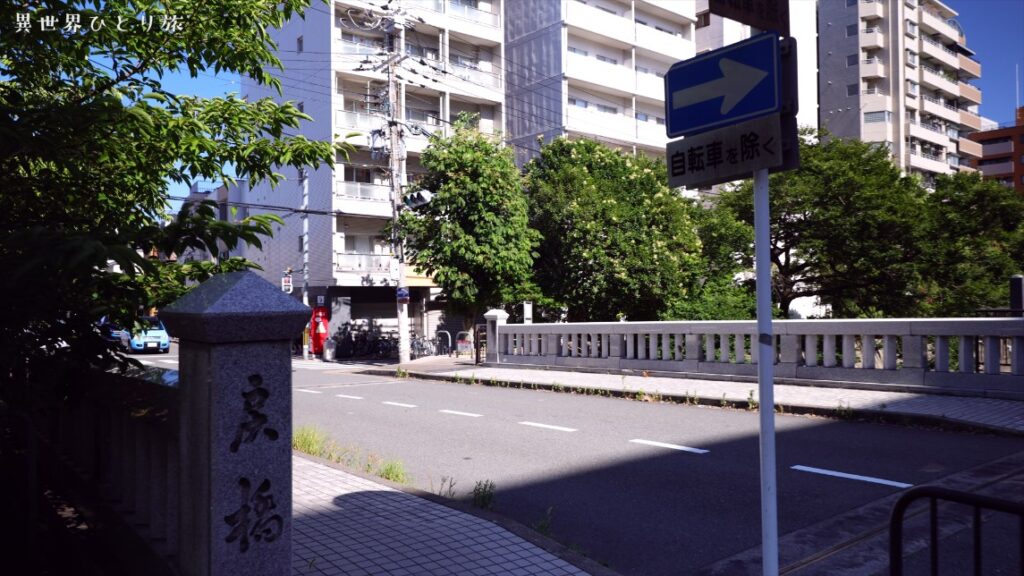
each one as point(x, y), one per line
point(886, 416)
point(524, 532)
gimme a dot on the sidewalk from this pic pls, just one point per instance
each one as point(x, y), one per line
point(345, 525)
point(992, 414)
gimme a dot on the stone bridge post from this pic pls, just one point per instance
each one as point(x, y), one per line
point(235, 511)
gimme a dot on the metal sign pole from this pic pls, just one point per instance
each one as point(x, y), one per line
point(765, 369)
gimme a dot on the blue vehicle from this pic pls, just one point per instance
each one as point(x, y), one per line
point(154, 337)
point(109, 331)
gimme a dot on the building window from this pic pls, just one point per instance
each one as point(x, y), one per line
point(703, 19)
point(911, 28)
point(604, 58)
point(851, 60)
point(851, 30)
point(358, 174)
point(874, 117)
point(659, 121)
point(912, 88)
point(851, 3)
point(852, 89)
point(575, 50)
point(298, 44)
point(643, 117)
point(607, 109)
point(911, 58)
point(578, 102)
point(1022, 158)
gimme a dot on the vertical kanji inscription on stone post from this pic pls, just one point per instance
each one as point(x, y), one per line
point(235, 333)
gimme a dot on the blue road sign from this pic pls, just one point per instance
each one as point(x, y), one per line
point(729, 85)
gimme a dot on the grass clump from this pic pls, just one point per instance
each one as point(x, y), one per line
point(394, 471)
point(309, 440)
point(483, 494)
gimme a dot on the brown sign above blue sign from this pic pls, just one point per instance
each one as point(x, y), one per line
point(766, 15)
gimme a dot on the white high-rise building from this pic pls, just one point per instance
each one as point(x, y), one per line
point(594, 69)
point(898, 72)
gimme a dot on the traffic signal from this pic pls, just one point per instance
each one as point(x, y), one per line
point(418, 198)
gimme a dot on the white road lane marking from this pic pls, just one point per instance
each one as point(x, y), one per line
point(871, 479)
point(350, 397)
point(669, 446)
point(548, 426)
point(308, 391)
point(457, 413)
point(399, 404)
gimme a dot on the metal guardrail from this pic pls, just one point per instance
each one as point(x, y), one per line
point(934, 494)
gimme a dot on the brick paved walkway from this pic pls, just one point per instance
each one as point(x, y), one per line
point(346, 525)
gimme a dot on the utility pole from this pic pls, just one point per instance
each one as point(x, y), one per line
point(305, 253)
point(396, 157)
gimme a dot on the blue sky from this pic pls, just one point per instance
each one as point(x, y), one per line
point(995, 31)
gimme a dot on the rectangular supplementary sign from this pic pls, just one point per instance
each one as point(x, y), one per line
point(768, 15)
point(726, 154)
point(724, 86)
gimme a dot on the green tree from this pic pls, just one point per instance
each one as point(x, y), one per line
point(974, 232)
point(616, 241)
point(845, 227)
point(726, 245)
point(88, 140)
point(472, 237)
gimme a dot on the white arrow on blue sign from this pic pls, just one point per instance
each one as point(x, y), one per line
point(729, 85)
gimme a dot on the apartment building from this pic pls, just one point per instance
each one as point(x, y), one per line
point(451, 61)
point(899, 72)
point(1002, 153)
point(593, 69)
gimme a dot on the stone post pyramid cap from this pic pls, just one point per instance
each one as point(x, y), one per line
point(235, 307)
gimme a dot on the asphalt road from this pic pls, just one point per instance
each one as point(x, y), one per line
point(648, 489)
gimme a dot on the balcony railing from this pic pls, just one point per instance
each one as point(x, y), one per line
point(363, 191)
point(933, 42)
point(876, 91)
point(358, 120)
point(361, 47)
point(428, 117)
point(474, 76)
point(371, 263)
point(939, 73)
point(473, 14)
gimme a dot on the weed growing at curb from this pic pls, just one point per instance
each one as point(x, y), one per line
point(483, 494)
point(752, 403)
point(401, 372)
point(309, 440)
point(313, 441)
point(543, 526)
point(394, 471)
point(723, 403)
point(640, 396)
point(447, 489)
point(844, 412)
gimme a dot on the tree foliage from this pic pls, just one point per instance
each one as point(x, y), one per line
point(845, 227)
point(973, 242)
point(472, 237)
point(616, 241)
point(88, 140)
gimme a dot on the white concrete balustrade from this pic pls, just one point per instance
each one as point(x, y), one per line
point(982, 355)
